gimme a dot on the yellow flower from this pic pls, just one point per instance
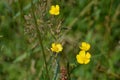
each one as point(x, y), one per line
point(56, 47)
point(85, 46)
point(83, 57)
point(55, 10)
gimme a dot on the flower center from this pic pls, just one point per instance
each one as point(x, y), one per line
point(55, 10)
point(56, 48)
point(84, 59)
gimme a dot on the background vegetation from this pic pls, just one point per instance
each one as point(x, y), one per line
point(94, 21)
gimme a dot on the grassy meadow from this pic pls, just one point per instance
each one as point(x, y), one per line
point(28, 30)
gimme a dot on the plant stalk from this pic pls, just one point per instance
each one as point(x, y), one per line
point(40, 40)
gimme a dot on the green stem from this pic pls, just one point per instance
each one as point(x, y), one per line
point(68, 70)
point(57, 67)
point(40, 40)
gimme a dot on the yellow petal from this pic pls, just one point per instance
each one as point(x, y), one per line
point(87, 61)
point(52, 49)
point(88, 55)
point(53, 44)
point(83, 45)
point(51, 12)
point(88, 46)
point(79, 60)
point(57, 7)
point(59, 47)
point(52, 7)
point(57, 13)
point(82, 53)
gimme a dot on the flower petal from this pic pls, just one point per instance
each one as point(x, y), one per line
point(57, 13)
point(88, 55)
point(79, 60)
point(53, 44)
point(57, 7)
point(52, 7)
point(59, 47)
point(86, 61)
point(88, 46)
point(82, 53)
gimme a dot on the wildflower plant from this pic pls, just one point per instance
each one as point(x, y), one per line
point(37, 42)
point(50, 31)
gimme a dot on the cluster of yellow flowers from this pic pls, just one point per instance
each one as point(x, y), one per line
point(83, 57)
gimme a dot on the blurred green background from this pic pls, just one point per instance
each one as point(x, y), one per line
point(94, 21)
